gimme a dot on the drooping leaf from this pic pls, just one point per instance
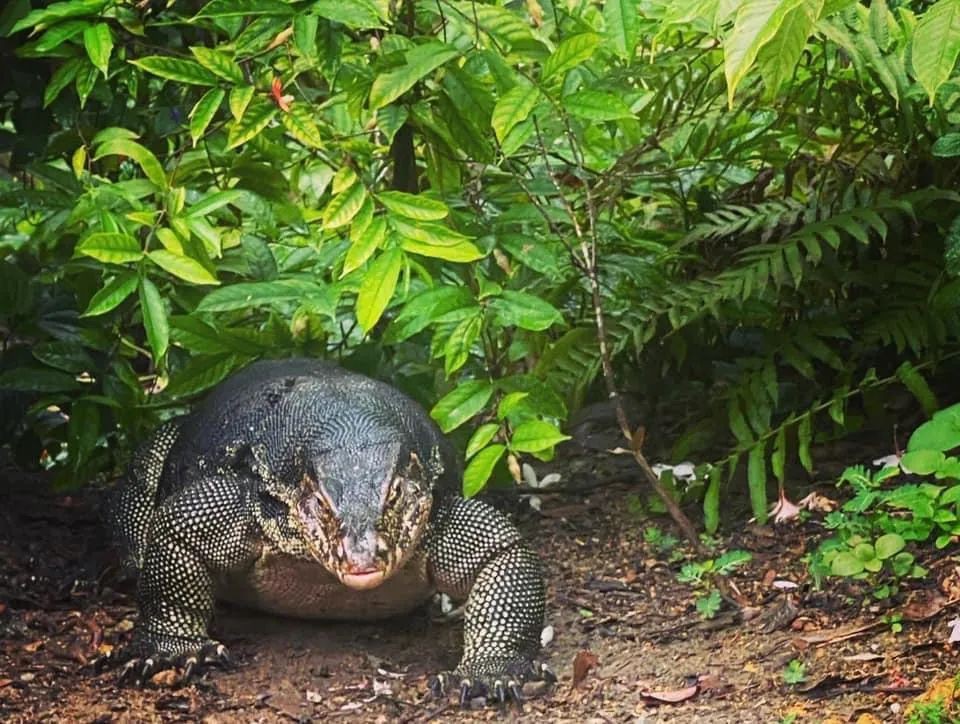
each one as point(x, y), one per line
point(183, 267)
point(535, 436)
point(256, 117)
point(204, 111)
point(936, 45)
point(154, 320)
point(344, 206)
point(245, 8)
point(377, 288)
point(480, 468)
point(524, 310)
point(152, 168)
point(621, 20)
point(412, 206)
point(757, 481)
point(420, 61)
point(365, 244)
point(110, 247)
point(513, 107)
point(571, 52)
point(112, 295)
point(218, 63)
point(177, 69)
point(98, 42)
point(757, 22)
point(460, 404)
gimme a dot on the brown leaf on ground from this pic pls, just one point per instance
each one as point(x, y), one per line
point(582, 663)
point(671, 697)
point(925, 604)
point(167, 677)
point(33, 646)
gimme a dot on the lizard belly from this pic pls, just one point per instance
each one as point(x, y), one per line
point(283, 584)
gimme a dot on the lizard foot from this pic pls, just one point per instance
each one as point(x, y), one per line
point(495, 679)
point(149, 654)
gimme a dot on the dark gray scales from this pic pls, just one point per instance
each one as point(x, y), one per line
point(303, 489)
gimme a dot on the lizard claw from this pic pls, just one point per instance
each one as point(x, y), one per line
point(497, 682)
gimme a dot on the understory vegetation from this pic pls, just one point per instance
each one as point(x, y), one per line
point(748, 209)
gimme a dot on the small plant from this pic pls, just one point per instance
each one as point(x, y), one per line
point(656, 538)
point(700, 574)
point(795, 673)
point(873, 529)
point(895, 622)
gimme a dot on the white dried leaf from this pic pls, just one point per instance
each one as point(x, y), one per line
point(546, 636)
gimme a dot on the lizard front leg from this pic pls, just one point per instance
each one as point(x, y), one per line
point(196, 536)
point(477, 554)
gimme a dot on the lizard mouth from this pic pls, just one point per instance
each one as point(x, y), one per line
point(364, 579)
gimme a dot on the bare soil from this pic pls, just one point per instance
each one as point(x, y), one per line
point(628, 643)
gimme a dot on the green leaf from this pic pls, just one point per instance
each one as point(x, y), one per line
point(182, 267)
point(33, 380)
point(420, 61)
point(519, 309)
point(777, 60)
point(922, 462)
point(154, 320)
point(889, 545)
point(58, 34)
point(480, 469)
point(462, 252)
point(110, 247)
point(213, 201)
point(344, 206)
point(256, 117)
point(757, 22)
point(570, 53)
point(941, 433)
point(915, 382)
point(711, 502)
point(253, 294)
point(245, 8)
point(240, 97)
point(98, 42)
point(201, 373)
point(111, 295)
point(804, 438)
point(513, 107)
point(456, 351)
point(299, 123)
point(86, 81)
point(365, 244)
point(621, 21)
point(218, 63)
point(83, 430)
point(846, 564)
point(434, 234)
point(536, 436)
point(481, 436)
point(178, 69)
point(757, 481)
point(422, 309)
point(204, 111)
point(59, 11)
point(377, 288)
point(936, 45)
point(152, 168)
point(947, 146)
point(356, 14)
point(462, 403)
point(597, 105)
point(779, 457)
point(61, 78)
point(412, 206)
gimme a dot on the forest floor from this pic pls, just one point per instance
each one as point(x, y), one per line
point(628, 643)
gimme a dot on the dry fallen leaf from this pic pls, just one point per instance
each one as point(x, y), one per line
point(582, 663)
point(671, 697)
point(33, 646)
point(167, 677)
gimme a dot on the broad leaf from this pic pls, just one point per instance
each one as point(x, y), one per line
point(513, 107)
point(182, 267)
point(460, 404)
point(220, 64)
point(154, 319)
point(255, 118)
point(535, 436)
point(112, 295)
point(254, 294)
point(344, 206)
point(480, 468)
point(422, 60)
point(178, 69)
point(204, 111)
point(519, 309)
point(419, 208)
point(936, 45)
point(757, 22)
point(152, 168)
point(570, 53)
point(245, 8)
point(379, 284)
point(597, 105)
point(110, 247)
point(98, 42)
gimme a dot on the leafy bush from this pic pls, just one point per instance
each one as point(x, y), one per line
point(756, 196)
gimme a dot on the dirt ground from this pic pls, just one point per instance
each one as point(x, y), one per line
point(628, 643)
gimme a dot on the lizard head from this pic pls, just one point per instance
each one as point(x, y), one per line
point(363, 510)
